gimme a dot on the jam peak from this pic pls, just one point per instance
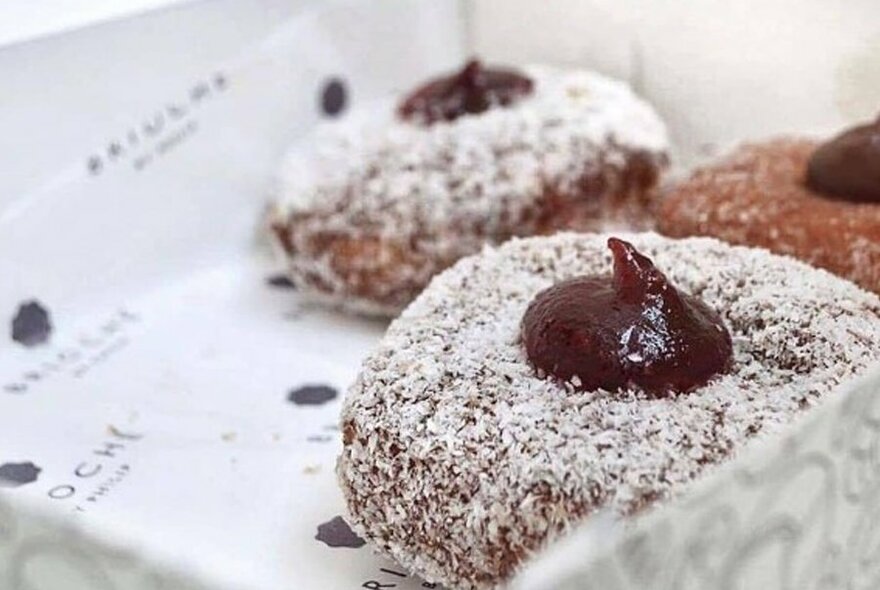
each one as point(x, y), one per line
point(472, 90)
point(470, 74)
point(847, 167)
point(471, 80)
point(635, 276)
point(629, 329)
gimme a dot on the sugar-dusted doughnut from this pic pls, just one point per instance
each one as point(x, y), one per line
point(375, 205)
point(461, 457)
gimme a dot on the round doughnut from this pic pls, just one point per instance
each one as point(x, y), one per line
point(373, 206)
point(459, 461)
point(757, 196)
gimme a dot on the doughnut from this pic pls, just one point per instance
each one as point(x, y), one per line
point(764, 194)
point(462, 457)
point(368, 209)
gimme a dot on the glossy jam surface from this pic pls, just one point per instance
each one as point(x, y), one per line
point(632, 329)
point(848, 166)
point(472, 90)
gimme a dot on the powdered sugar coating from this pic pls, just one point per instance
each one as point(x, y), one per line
point(459, 461)
point(422, 197)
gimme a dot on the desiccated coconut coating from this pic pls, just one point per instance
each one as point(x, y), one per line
point(458, 461)
point(379, 205)
point(757, 196)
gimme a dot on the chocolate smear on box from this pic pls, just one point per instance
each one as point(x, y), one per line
point(336, 533)
point(334, 97)
point(280, 281)
point(312, 395)
point(13, 475)
point(31, 325)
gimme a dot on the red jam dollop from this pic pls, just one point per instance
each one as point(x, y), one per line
point(633, 329)
point(472, 90)
point(848, 166)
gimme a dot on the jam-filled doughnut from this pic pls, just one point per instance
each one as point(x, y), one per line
point(378, 203)
point(819, 202)
point(509, 401)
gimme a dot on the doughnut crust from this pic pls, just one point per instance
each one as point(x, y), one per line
point(757, 196)
point(379, 205)
point(459, 462)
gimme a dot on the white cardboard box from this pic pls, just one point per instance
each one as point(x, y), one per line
point(154, 429)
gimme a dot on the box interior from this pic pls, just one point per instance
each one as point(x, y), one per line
point(166, 403)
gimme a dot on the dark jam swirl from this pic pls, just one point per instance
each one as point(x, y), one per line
point(472, 90)
point(632, 329)
point(848, 166)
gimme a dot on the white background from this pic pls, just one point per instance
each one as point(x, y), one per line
point(21, 20)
